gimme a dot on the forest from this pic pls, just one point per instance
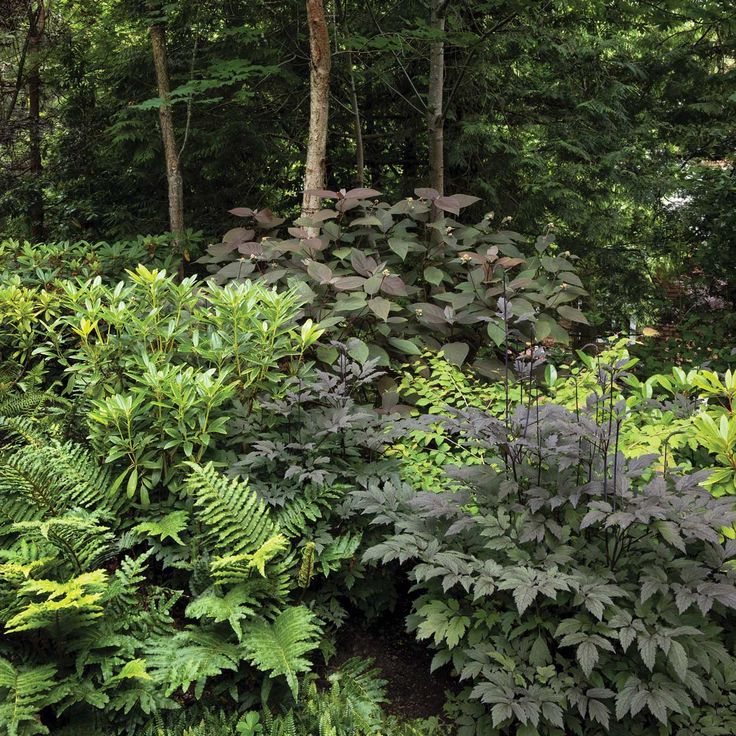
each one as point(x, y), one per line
point(367, 368)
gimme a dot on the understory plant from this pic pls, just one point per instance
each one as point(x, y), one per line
point(200, 486)
point(401, 278)
point(40, 264)
point(135, 577)
point(574, 590)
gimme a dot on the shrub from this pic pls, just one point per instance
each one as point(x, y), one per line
point(162, 364)
point(134, 576)
point(400, 280)
point(572, 594)
point(40, 264)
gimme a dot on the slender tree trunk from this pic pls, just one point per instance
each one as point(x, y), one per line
point(35, 207)
point(18, 79)
point(319, 100)
point(359, 150)
point(435, 99)
point(166, 120)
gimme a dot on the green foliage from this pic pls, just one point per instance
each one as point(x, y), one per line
point(434, 385)
point(279, 647)
point(24, 691)
point(237, 521)
point(161, 364)
point(189, 509)
point(95, 559)
point(347, 704)
point(40, 264)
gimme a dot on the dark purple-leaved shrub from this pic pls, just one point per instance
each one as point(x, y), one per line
point(572, 590)
point(401, 278)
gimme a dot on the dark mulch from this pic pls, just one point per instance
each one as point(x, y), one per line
point(413, 692)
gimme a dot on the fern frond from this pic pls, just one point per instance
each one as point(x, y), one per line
point(17, 431)
point(78, 599)
point(233, 607)
point(239, 568)
point(24, 692)
point(16, 573)
point(44, 480)
point(128, 578)
point(78, 535)
point(361, 681)
point(21, 405)
point(300, 514)
point(190, 657)
point(341, 548)
point(167, 527)
point(278, 648)
point(238, 521)
point(86, 482)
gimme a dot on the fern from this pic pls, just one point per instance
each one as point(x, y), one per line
point(301, 512)
point(77, 599)
point(78, 535)
point(43, 480)
point(24, 691)
point(21, 405)
point(240, 567)
point(190, 657)
point(278, 648)
point(234, 606)
point(131, 574)
point(168, 527)
point(238, 521)
point(19, 431)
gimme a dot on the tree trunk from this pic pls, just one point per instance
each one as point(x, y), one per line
point(435, 95)
point(359, 150)
point(166, 120)
point(35, 207)
point(319, 101)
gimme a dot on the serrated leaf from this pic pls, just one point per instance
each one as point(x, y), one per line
point(587, 655)
point(677, 657)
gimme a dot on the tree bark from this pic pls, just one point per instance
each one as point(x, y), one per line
point(173, 165)
point(319, 101)
point(435, 94)
point(35, 206)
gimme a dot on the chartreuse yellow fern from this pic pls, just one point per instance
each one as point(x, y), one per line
point(69, 604)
